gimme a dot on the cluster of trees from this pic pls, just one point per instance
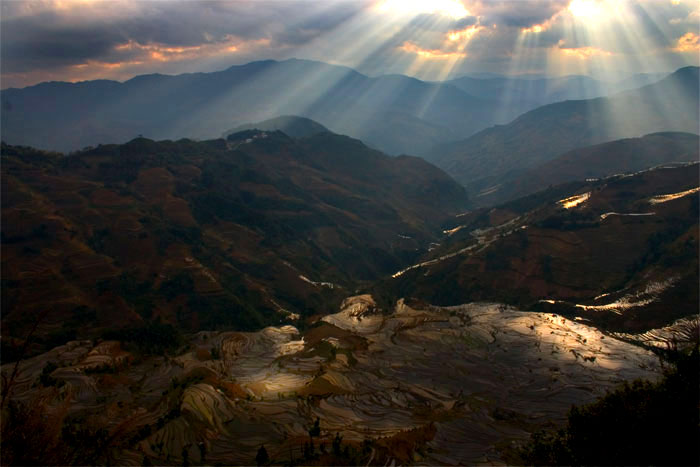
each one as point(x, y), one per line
point(338, 454)
point(641, 423)
point(148, 338)
point(32, 435)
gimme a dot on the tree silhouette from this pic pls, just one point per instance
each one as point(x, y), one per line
point(262, 458)
point(336, 444)
point(316, 429)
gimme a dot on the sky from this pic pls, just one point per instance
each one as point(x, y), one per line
point(76, 40)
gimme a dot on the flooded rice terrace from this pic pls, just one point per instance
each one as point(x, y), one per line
point(480, 375)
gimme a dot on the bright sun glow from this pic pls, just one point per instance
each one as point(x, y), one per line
point(451, 8)
point(585, 9)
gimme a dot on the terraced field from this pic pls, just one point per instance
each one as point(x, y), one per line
point(473, 379)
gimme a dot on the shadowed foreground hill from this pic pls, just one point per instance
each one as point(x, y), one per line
point(482, 161)
point(239, 233)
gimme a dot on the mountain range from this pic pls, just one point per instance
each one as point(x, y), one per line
point(521, 94)
point(394, 113)
point(493, 157)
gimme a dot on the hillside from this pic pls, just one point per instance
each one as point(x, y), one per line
point(483, 160)
point(620, 253)
point(598, 161)
point(240, 233)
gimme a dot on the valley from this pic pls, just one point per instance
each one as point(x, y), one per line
point(498, 320)
point(573, 253)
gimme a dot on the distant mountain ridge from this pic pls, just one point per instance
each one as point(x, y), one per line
point(394, 113)
point(499, 153)
point(521, 94)
point(602, 160)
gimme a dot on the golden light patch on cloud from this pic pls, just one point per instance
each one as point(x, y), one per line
point(95, 69)
point(71, 4)
point(688, 42)
point(108, 65)
point(165, 53)
point(98, 65)
point(112, 66)
point(583, 53)
point(413, 48)
point(465, 34)
point(158, 52)
point(534, 28)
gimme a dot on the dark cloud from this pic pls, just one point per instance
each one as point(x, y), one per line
point(27, 44)
point(520, 13)
point(441, 23)
point(465, 22)
point(55, 38)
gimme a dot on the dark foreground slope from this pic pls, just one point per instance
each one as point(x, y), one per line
point(625, 258)
point(238, 233)
point(483, 160)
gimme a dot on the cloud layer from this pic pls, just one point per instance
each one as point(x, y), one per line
point(84, 39)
